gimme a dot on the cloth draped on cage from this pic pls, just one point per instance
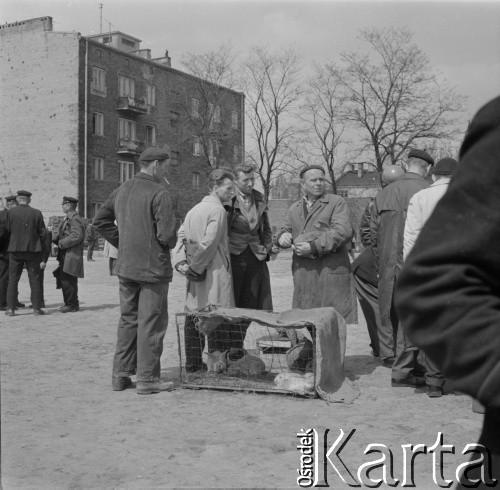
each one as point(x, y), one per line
point(331, 383)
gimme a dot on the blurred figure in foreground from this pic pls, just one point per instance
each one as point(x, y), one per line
point(449, 290)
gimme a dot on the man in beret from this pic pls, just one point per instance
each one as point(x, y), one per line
point(317, 227)
point(144, 233)
point(420, 208)
point(69, 240)
point(390, 207)
point(26, 244)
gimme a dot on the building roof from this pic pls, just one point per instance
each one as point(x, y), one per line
point(103, 34)
point(367, 179)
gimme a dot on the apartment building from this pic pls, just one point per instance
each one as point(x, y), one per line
point(77, 111)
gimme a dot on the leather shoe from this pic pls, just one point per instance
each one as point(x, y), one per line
point(10, 312)
point(434, 391)
point(68, 309)
point(121, 383)
point(20, 305)
point(38, 311)
point(148, 387)
point(3, 308)
point(410, 382)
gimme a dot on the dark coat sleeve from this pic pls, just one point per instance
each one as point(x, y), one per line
point(448, 294)
point(76, 235)
point(104, 222)
point(166, 223)
point(366, 224)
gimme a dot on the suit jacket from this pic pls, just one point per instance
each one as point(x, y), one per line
point(70, 242)
point(26, 228)
point(4, 234)
point(325, 278)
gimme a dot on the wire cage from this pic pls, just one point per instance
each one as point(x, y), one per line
point(243, 355)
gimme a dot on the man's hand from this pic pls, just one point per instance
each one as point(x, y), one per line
point(302, 249)
point(285, 240)
point(43, 265)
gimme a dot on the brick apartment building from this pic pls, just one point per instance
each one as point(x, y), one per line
point(77, 112)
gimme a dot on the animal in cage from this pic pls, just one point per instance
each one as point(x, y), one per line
point(248, 365)
point(298, 383)
point(216, 361)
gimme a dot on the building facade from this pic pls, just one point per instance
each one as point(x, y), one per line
point(359, 180)
point(78, 111)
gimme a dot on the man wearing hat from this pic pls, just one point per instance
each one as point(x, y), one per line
point(10, 202)
point(317, 228)
point(144, 233)
point(420, 208)
point(26, 244)
point(69, 240)
point(390, 207)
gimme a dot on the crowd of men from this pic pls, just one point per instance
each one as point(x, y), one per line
point(26, 243)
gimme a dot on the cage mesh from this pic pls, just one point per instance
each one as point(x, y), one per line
point(240, 354)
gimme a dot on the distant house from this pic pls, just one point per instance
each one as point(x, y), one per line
point(360, 180)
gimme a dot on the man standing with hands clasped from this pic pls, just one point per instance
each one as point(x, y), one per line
point(144, 233)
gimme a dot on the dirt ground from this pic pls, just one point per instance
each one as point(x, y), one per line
point(63, 427)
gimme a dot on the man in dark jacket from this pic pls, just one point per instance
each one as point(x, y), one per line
point(90, 240)
point(10, 202)
point(391, 204)
point(144, 234)
point(449, 290)
point(69, 241)
point(250, 244)
point(26, 245)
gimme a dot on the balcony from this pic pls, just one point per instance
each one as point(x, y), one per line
point(129, 147)
point(131, 105)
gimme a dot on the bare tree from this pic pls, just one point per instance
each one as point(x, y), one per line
point(392, 94)
point(201, 102)
point(273, 89)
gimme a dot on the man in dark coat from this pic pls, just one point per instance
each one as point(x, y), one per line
point(69, 241)
point(250, 244)
point(144, 233)
point(317, 228)
point(10, 202)
point(449, 290)
point(90, 240)
point(391, 204)
point(26, 245)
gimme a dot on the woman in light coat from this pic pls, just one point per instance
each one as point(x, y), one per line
point(204, 232)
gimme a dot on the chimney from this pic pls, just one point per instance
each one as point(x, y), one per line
point(360, 170)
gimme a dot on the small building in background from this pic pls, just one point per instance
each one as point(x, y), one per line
point(359, 180)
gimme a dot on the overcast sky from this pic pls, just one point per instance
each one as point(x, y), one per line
point(462, 39)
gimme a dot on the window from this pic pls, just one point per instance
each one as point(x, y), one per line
point(95, 208)
point(150, 95)
point(197, 148)
point(174, 119)
point(344, 193)
point(174, 157)
point(128, 42)
point(98, 124)
point(196, 180)
point(126, 129)
point(126, 171)
point(127, 87)
point(150, 135)
point(213, 151)
point(214, 114)
point(235, 119)
point(106, 39)
point(236, 154)
point(98, 168)
point(195, 107)
point(98, 85)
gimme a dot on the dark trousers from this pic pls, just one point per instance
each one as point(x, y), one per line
point(69, 285)
point(141, 329)
point(90, 250)
point(17, 261)
point(4, 279)
point(42, 278)
point(368, 299)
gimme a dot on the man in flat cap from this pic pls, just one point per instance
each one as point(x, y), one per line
point(69, 240)
point(317, 227)
point(390, 208)
point(420, 208)
point(144, 233)
point(26, 244)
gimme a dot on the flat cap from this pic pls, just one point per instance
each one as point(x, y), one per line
point(24, 193)
point(423, 155)
point(445, 166)
point(10, 198)
point(154, 153)
point(311, 167)
point(67, 199)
